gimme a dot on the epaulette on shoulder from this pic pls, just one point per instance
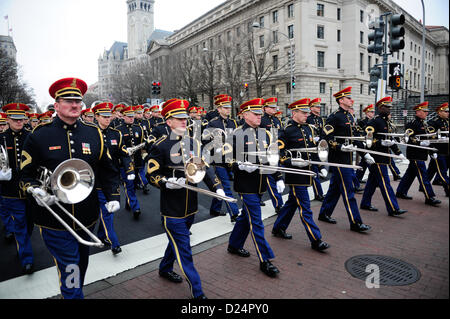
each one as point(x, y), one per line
point(40, 125)
point(161, 139)
point(89, 124)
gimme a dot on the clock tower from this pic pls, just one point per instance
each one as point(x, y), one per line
point(140, 25)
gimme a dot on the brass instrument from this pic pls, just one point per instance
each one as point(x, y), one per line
point(321, 149)
point(71, 182)
point(301, 160)
point(368, 139)
point(133, 149)
point(4, 160)
point(363, 150)
point(194, 171)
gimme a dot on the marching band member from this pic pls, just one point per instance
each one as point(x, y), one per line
point(178, 205)
point(132, 136)
point(156, 116)
point(439, 164)
point(223, 172)
point(298, 134)
point(318, 123)
point(49, 145)
point(369, 112)
point(378, 172)
point(117, 118)
point(141, 181)
point(271, 123)
point(13, 198)
point(114, 141)
point(46, 117)
point(87, 115)
point(249, 183)
point(341, 123)
point(34, 121)
point(417, 157)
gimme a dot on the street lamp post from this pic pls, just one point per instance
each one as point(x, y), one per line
point(405, 110)
point(422, 79)
point(331, 97)
point(256, 25)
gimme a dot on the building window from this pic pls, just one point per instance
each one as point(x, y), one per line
point(361, 88)
point(322, 87)
point(339, 14)
point(361, 37)
point(290, 11)
point(275, 62)
point(339, 61)
point(320, 32)
point(238, 32)
point(288, 88)
point(361, 16)
point(361, 61)
point(275, 36)
point(275, 16)
point(261, 22)
point(273, 89)
point(320, 59)
point(249, 68)
point(320, 10)
point(291, 31)
point(338, 35)
point(369, 64)
point(261, 41)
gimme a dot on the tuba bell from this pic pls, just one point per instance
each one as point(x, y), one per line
point(71, 182)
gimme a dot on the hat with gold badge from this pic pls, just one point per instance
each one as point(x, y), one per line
point(68, 88)
point(347, 92)
point(254, 106)
point(224, 101)
point(2, 118)
point(386, 102)
point(175, 108)
point(442, 107)
point(369, 108)
point(16, 111)
point(422, 107)
point(315, 102)
point(103, 109)
point(302, 105)
point(271, 102)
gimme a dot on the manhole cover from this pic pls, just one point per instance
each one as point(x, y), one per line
point(393, 272)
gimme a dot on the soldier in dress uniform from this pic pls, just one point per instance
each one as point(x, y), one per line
point(272, 124)
point(178, 205)
point(298, 134)
point(34, 120)
point(249, 183)
point(417, 157)
point(222, 170)
point(341, 123)
point(133, 135)
point(213, 114)
point(114, 141)
point(369, 112)
point(378, 172)
point(87, 115)
point(141, 181)
point(117, 115)
point(318, 123)
point(49, 145)
point(46, 117)
point(156, 116)
point(13, 198)
point(439, 164)
point(3, 122)
point(6, 219)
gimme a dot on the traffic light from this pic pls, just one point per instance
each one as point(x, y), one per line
point(293, 82)
point(395, 76)
point(376, 37)
point(396, 32)
point(246, 87)
point(156, 88)
point(375, 75)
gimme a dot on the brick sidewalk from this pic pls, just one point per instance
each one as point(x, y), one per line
point(420, 238)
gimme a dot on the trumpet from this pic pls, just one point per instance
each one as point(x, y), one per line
point(4, 160)
point(321, 149)
point(71, 182)
point(368, 139)
point(195, 171)
point(403, 136)
point(301, 160)
point(133, 149)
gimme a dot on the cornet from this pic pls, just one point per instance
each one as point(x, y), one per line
point(71, 182)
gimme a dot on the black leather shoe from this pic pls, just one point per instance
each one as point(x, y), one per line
point(432, 201)
point(403, 196)
point(28, 269)
point(116, 250)
point(319, 198)
point(359, 190)
point(234, 218)
point(171, 276)
point(201, 297)
point(360, 227)
point(147, 189)
point(396, 178)
point(269, 269)
point(136, 214)
point(127, 206)
point(327, 219)
point(319, 245)
point(214, 213)
point(281, 233)
point(241, 252)
point(363, 181)
point(371, 208)
point(262, 203)
point(398, 212)
point(106, 242)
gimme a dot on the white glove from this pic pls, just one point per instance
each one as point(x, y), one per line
point(280, 186)
point(5, 174)
point(402, 159)
point(316, 138)
point(369, 159)
point(348, 148)
point(299, 163)
point(131, 177)
point(42, 195)
point(425, 143)
point(387, 143)
point(180, 180)
point(323, 173)
point(434, 156)
point(246, 166)
point(112, 206)
point(220, 192)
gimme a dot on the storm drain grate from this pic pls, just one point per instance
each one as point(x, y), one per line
point(393, 272)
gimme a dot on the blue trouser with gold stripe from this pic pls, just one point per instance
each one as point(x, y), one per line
point(416, 168)
point(6, 219)
point(130, 191)
point(106, 227)
point(141, 180)
point(341, 183)
point(15, 209)
point(439, 166)
point(298, 198)
point(277, 200)
point(379, 177)
point(360, 173)
point(71, 259)
point(394, 169)
point(179, 249)
point(317, 187)
point(250, 221)
point(216, 204)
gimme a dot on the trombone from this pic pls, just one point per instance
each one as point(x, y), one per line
point(195, 171)
point(321, 149)
point(368, 139)
point(71, 182)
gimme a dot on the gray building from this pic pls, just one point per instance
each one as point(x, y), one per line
point(7, 45)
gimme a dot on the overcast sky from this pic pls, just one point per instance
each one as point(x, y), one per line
point(64, 38)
